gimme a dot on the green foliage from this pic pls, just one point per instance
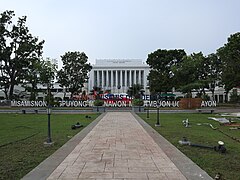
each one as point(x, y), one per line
point(209, 160)
point(138, 102)
point(192, 73)
point(234, 97)
point(178, 98)
point(47, 72)
point(214, 71)
point(135, 90)
point(98, 102)
point(161, 75)
point(74, 72)
point(19, 50)
point(230, 57)
point(42, 71)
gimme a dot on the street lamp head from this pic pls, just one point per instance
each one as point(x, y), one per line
point(49, 110)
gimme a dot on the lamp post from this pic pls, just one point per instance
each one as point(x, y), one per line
point(97, 108)
point(158, 122)
point(148, 104)
point(49, 139)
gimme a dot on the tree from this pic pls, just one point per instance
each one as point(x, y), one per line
point(18, 51)
point(47, 74)
point(161, 75)
point(191, 73)
point(74, 72)
point(40, 72)
point(214, 73)
point(135, 90)
point(31, 79)
point(230, 56)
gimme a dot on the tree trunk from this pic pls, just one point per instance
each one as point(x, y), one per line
point(11, 88)
point(33, 92)
point(213, 95)
point(6, 94)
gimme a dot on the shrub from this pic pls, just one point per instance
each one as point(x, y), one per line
point(98, 102)
point(234, 97)
point(138, 102)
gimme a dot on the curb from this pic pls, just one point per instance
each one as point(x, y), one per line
point(188, 168)
point(45, 168)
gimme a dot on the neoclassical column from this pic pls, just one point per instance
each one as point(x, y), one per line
point(142, 79)
point(107, 83)
point(130, 78)
point(125, 79)
point(112, 79)
point(102, 78)
point(121, 78)
point(94, 77)
point(139, 77)
point(116, 78)
point(135, 77)
point(98, 78)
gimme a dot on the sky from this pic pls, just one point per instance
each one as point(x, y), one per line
point(127, 29)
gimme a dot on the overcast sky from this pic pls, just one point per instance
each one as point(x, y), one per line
point(128, 29)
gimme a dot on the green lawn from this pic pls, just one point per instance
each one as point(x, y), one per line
point(22, 137)
point(212, 162)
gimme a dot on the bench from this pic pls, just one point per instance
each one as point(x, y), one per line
point(205, 110)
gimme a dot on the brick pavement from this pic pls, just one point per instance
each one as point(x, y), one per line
point(118, 147)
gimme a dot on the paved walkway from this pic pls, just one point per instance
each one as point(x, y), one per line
point(119, 146)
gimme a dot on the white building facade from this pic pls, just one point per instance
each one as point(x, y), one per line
point(117, 75)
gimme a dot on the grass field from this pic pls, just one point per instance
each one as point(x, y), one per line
point(22, 137)
point(211, 161)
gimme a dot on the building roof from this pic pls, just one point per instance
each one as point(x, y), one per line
point(120, 63)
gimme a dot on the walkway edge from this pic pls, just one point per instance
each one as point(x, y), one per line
point(188, 168)
point(45, 168)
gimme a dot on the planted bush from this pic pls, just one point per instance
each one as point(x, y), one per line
point(98, 102)
point(138, 102)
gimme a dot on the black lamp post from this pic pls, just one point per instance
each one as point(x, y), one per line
point(49, 139)
point(148, 104)
point(158, 118)
point(97, 108)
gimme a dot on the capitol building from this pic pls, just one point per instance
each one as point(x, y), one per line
point(117, 75)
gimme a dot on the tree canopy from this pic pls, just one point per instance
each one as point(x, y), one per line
point(230, 57)
point(135, 90)
point(19, 50)
point(74, 72)
point(161, 75)
point(195, 72)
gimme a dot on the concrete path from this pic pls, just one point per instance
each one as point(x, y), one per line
point(117, 145)
point(117, 148)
